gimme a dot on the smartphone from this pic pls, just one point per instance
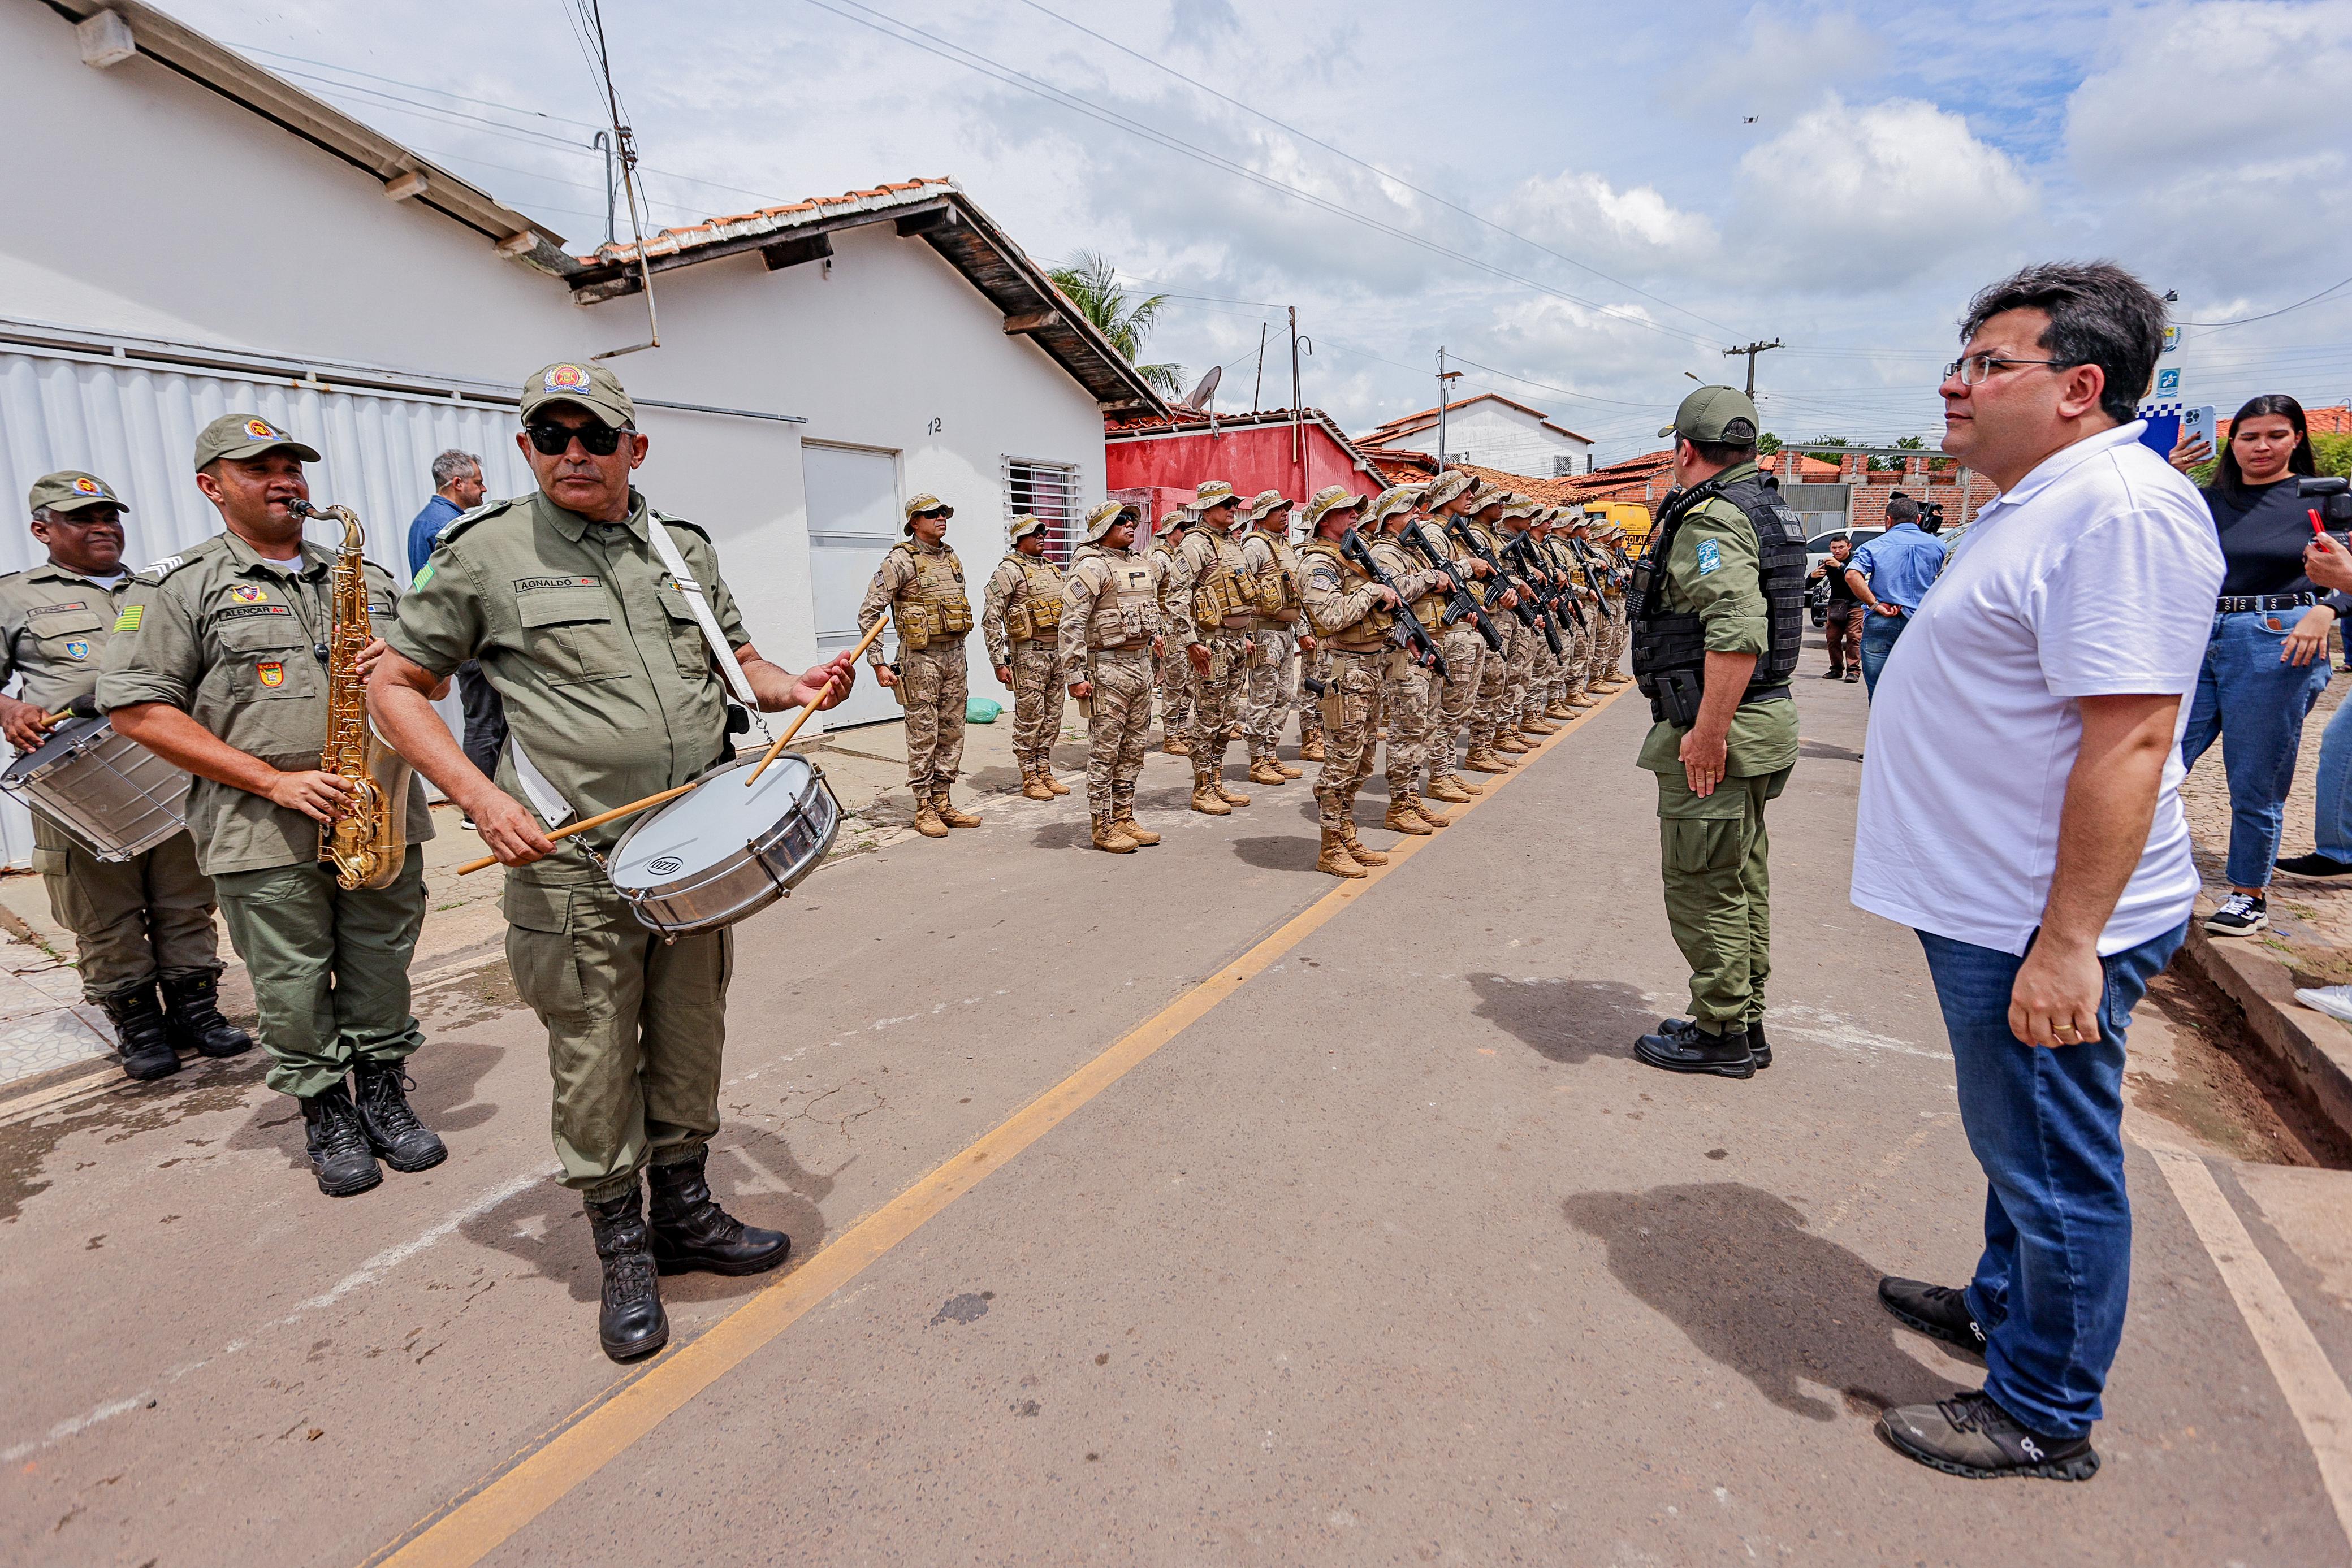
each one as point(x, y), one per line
point(2197, 425)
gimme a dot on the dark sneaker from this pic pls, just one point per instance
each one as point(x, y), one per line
point(1832, 674)
point(2315, 864)
point(2243, 914)
point(1936, 1310)
point(1681, 1046)
point(1851, 679)
point(399, 1139)
point(1970, 1436)
point(337, 1145)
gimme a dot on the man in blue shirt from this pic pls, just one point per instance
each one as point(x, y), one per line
point(457, 488)
point(1890, 575)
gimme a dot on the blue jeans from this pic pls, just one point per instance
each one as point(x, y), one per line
point(2255, 704)
point(1878, 634)
point(2335, 790)
point(2047, 1127)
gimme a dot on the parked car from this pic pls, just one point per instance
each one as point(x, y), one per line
point(1817, 548)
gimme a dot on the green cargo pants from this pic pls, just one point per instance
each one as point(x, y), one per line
point(132, 920)
point(1713, 861)
point(635, 1029)
point(330, 967)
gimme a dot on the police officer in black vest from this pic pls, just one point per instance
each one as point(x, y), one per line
point(1718, 611)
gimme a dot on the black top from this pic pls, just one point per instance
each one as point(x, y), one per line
point(1840, 590)
point(2264, 530)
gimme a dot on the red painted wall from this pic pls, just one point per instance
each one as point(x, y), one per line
point(1250, 459)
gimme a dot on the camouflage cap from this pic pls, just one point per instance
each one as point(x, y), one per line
point(1396, 498)
point(1103, 518)
point(1212, 493)
point(1715, 413)
point(246, 436)
point(917, 506)
point(1264, 505)
point(1450, 485)
point(69, 490)
point(592, 387)
point(1022, 527)
point(1331, 498)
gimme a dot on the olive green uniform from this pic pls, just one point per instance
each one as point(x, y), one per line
point(132, 920)
point(1712, 851)
point(237, 641)
point(611, 694)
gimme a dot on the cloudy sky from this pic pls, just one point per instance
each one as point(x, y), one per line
point(1582, 203)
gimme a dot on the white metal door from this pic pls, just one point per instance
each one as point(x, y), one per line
point(853, 518)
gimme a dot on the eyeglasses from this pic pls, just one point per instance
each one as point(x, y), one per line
point(552, 440)
point(1976, 368)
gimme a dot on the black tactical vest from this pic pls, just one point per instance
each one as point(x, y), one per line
point(1670, 650)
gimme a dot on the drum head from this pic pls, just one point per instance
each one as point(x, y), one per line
point(716, 820)
point(61, 740)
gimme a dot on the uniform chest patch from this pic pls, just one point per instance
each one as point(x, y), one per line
point(56, 609)
point(538, 584)
point(1137, 577)
point(244, 612)
point(272, 673)
point(244, 593)
point(77, 649)
point(1710, 556)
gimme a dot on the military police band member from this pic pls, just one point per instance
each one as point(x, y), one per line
point(920, 584)
point(136, 921)
point(219, 665)
point(1717, 638)
point(1110, 633)
point(1020, 617)
point(1277, 632)
point(1209, 622)
point(612, 693)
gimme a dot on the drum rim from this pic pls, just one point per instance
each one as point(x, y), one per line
point(736, 859)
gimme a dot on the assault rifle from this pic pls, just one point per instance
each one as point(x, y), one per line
point(1463, 605)
point(1503, 578)
point(1592, 574)
point(1536, 582)
point(1409, 633)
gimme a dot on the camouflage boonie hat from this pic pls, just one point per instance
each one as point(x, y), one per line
point(1394, 499)
point(246, 436)
point(1519, 506)
point(1450, 485)
point(591, 386)
point(1022, 526)
point(1104, 518)
point(1211, 493)
point(70, 490)
point(919, 505)
point(1331, 498)
point(1262, 506)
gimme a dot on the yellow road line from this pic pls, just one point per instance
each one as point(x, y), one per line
point(475, 1527)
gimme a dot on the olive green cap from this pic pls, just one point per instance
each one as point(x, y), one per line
point(1105, 518)
point(246, 436)
point(1715, 413)
point(69, 490)
point(1022, 526)
point(592, 387)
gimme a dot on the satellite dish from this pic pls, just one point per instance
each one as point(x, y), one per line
point(1200, 395)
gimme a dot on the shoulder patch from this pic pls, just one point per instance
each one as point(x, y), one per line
point(1710, 556)
point(128, 620)
point(158, 571)
point(424, 575)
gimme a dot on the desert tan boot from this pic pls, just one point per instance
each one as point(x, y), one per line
point(1125, 819)
point(1109, 836)
point(1335, 858)
point(1264, 771)
point(927, 823)
point(954, 816)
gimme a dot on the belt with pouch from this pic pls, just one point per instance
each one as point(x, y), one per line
point(2254, 603)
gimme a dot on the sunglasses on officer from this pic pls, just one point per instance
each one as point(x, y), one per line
point(550, 439)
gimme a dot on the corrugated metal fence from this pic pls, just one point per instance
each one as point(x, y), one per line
point(135, 426)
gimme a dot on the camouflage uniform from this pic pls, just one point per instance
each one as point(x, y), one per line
point(1019, 611)
point(1466, 656)
point(1409, 696)
point(1170, 671)
point(1110, 616)
point(1271, 566)
point(1519, 675)
point(1346, 611)
point(1205, 609)
point(921, 587)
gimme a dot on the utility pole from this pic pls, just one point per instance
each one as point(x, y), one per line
point(1751, 350)
point(1445, 394)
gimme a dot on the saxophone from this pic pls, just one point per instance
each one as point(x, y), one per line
point(369, 843)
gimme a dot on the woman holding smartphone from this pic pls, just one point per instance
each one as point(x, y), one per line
point(2266, 662)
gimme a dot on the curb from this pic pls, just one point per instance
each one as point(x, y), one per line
point(2315, 1050)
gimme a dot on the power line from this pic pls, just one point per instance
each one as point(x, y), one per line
point(2281, 310)
point(412, 87)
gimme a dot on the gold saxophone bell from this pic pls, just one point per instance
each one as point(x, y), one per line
point(369, 843)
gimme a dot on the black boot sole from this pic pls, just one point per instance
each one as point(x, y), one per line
point(2081, 1468)
point(1718, 1068)
point(351, 1188)
point(688, 1263)
point(637, 1350)
point(407, 1167)
point(145, 1072)
point(1932, 1329)
point(224, 1055)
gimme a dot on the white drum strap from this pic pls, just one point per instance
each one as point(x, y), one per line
point(545, 799)
point(666, 548)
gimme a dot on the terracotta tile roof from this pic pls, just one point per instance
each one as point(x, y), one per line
point(1415, 424)
point(2318, 420)
point(671, 242)
point(1809, 470)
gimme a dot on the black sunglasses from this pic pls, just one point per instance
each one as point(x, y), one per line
point(552, 440)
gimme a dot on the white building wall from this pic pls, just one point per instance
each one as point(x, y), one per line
point(1492, 436)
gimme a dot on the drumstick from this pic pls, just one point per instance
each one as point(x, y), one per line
point(784, 740)
point(581, 826)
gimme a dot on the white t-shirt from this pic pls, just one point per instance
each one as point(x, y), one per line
point(2095, 577)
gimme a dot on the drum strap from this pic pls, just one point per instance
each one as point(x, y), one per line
point(545, 799)
point(666, 548)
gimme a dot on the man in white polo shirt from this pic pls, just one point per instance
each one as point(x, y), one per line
point(2021, 810)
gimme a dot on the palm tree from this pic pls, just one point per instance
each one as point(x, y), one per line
point(1091, 283)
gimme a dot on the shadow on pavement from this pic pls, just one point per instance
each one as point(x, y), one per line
point(1738, 1271)
point(1290, 853)
point(444, 1073)
point(1821, 751)
point(1566, 1021)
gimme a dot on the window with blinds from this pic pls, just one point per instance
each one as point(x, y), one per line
point(1047, 490)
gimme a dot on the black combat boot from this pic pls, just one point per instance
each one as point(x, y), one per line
point(1757, 1046)
point(140, 1034)
point(691, 1231)
point(192, 1011)
point(631, 1323)
point(399, 1139)
point(337, 1145)
point(1681, 1046)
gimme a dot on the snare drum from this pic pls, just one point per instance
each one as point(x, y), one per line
point(724, 852)
point(115, 796)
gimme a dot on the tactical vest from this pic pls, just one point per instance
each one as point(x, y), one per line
point(933, 606)
point(1037, 610)
point(1461, 555)
point(1401, 563)
point(1664, 643)
point(1218, 595)
point(1127, 604)
point(1373, 628)
point(1273, 587)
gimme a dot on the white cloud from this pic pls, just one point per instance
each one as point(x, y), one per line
point(1775, 66)
point(1589, 218)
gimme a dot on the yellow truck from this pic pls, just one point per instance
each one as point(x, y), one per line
point(1634, 519)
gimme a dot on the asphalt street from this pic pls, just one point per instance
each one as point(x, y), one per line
point(1353, 1233)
